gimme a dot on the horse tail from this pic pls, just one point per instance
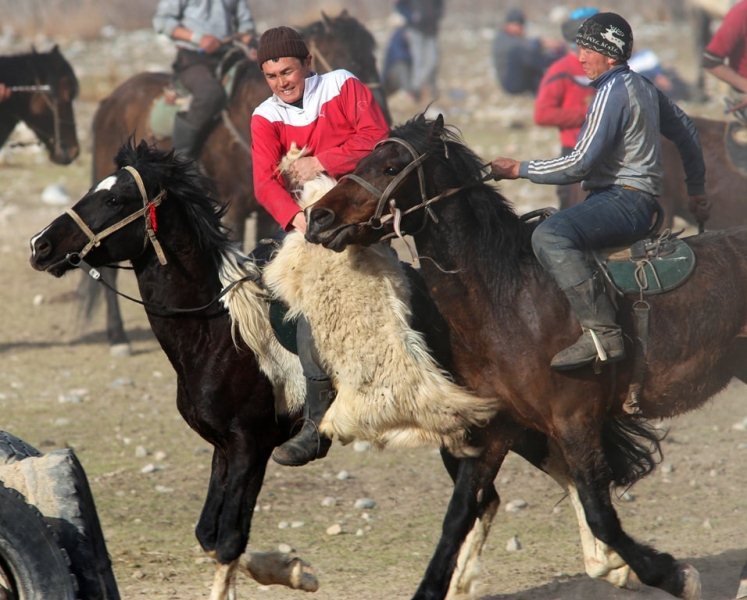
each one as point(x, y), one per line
point(632, 447)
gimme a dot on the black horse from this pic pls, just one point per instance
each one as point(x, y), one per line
point(334, 43)
point(221, 392)
point(45, 87)
point(507, 319)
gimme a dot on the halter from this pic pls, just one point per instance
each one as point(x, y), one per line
point(379, 219)
point(148, 212)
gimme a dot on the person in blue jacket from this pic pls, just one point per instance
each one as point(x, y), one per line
point(618, 160)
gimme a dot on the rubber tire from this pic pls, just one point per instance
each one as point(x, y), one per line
point(30, 557)
point(75, 522)
point(14, 449)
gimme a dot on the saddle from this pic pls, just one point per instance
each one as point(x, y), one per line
point(650, 266)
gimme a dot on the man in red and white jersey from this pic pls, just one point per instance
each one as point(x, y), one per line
point(336, 119)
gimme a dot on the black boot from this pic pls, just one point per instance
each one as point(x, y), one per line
point(601, 337)
point(308, 444)
point(186, 138)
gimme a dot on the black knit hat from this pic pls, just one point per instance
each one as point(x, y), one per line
point(607, 33)
point(281, 41)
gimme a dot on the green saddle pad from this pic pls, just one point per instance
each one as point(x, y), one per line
point(651, 267)
point(285, 329)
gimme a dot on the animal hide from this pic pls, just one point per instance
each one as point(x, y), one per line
point(389, 388)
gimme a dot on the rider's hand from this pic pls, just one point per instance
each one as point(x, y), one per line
point(209, 43)
point(504, 168)
point(700, 207)
point(299, 222)
point(305, 169)
point(4, 92)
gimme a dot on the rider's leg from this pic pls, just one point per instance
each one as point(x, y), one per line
point(196, 72)
point(308, 444)
point(613, 216)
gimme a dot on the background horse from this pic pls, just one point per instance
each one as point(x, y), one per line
point(339, 42)
point(221, 392)
point(48, 112)
point(480, 262)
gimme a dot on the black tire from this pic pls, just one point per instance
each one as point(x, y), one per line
point(13, 449)
point(32, 565)
point(71, 514)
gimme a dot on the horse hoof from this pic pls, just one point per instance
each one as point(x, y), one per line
point(120, 350)
point(302, 577)
point(691, 590)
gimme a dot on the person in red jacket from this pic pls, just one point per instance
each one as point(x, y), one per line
point(336, 119)
point(564, 95)
point(725, 56)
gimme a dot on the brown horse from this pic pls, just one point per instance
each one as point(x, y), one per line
point(45, 87)
point(506, 319)
point(728, 209)
point(339, 42)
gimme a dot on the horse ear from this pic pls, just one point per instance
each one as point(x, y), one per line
point(438, 126)
point(327, 21)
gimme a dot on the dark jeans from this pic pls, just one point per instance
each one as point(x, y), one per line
point(613, 216)
point(196, 71)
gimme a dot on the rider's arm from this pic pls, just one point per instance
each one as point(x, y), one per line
point(675, 125)
point(244, 20)
point(725, 46)
point(269, 187)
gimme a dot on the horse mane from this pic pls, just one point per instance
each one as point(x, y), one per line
point(343, 26)
point(32, 67)
point(501, 240)
point(188, 191)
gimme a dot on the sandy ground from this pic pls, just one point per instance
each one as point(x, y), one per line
point(59, 386)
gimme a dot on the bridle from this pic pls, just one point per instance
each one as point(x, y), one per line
point(386, 201)
point(319, 57)
point(148, 212)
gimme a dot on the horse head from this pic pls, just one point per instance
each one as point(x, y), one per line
point(122, 217)
point(342, 42)
point(49, 112)
point(392, 190)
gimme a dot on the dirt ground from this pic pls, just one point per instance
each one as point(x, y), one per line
point(60, 387)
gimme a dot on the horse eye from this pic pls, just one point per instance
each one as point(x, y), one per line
point(113, 200)
point(391, 171)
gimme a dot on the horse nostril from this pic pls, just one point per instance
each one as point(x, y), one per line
point(41, 248)
point(322, 217)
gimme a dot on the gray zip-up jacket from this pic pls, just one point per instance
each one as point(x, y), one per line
point(620, 143)
point(219, 18)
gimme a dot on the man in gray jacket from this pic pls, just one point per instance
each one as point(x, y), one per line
point(618, 159)
point(201, 30)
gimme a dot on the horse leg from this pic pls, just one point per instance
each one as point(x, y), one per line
point(119, 345)
point(600, 561)
point(206, 530)
point(473, 494)
point(742, 591)
point(467, 563)
point(583, 452)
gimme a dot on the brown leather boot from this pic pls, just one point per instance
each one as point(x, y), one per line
point(308, 444)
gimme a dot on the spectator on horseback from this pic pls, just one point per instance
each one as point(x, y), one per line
point(618, 159)
point(725, 56)
point(201, 30)
point(564, 94)
point(335, 118)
